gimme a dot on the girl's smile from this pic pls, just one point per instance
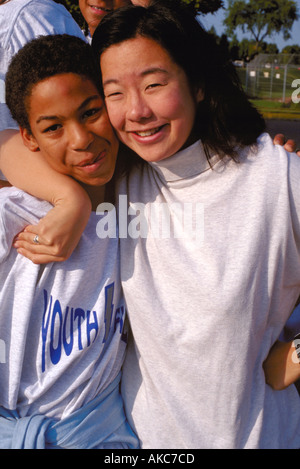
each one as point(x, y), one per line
point(149, 100)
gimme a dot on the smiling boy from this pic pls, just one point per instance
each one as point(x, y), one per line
point(62, 326)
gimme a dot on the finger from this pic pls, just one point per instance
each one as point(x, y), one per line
point(298, 152)
point(279, 139)
point(290, 146)
point(37, 249)
point(39, 258)
point(32, 235)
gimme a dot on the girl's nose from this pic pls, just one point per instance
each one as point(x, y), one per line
point(138, 109)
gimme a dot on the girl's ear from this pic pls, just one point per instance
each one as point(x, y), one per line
point(29, 140)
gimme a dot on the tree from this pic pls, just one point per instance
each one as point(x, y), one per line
point(72, 6)
point(261, 18)
point(294, 49)
point(204, 6)
point(269, 48)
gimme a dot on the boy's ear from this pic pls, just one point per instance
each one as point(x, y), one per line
point(29, 140)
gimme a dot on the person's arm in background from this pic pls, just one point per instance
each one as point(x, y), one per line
point(282, 367)
point(61, 229)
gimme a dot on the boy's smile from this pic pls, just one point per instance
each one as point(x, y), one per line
point(70, 126)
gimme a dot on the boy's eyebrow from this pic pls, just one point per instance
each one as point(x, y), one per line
point(148, 71)
point(85, 103)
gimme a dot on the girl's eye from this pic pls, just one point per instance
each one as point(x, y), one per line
point(112, 95)
point(153, 85)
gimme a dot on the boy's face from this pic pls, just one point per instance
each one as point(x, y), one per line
point(70, 126)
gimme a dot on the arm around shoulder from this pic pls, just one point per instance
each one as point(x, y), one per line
point(61, 229)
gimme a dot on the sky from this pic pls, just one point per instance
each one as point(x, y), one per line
point(216, 20)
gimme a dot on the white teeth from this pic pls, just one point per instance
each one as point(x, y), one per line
point(147, 133)
point(100, 8)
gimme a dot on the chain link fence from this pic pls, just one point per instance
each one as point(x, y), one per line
point(273, 77)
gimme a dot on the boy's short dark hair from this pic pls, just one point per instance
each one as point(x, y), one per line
point(43, 58)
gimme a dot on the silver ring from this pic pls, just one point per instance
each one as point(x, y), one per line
point(36, 239)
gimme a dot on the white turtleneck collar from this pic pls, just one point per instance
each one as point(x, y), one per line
point(184, 164)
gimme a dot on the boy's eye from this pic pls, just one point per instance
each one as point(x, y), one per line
point(52, 128)
point(92, 112)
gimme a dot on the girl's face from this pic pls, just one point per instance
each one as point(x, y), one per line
point(149, 99)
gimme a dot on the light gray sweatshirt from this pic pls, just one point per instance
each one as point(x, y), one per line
point(206, 306)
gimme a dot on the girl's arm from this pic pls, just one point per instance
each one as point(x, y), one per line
point(282, 366)
point(60, 230)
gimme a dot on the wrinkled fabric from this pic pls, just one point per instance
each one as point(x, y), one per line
point(99, 424)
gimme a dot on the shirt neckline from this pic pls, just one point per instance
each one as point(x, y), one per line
point(184, 164)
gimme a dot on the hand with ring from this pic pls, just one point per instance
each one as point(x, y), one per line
point(56, 235)
point(36, 239)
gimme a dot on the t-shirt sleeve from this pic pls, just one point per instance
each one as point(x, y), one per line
point(17, 210)
point(52, 18)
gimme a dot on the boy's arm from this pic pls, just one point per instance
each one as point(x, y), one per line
point(61, 229)
point(282, 366)
point(289, 145)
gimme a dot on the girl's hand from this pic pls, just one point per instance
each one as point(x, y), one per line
point(55, 237)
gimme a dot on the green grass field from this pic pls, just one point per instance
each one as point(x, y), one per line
point(276, 109)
